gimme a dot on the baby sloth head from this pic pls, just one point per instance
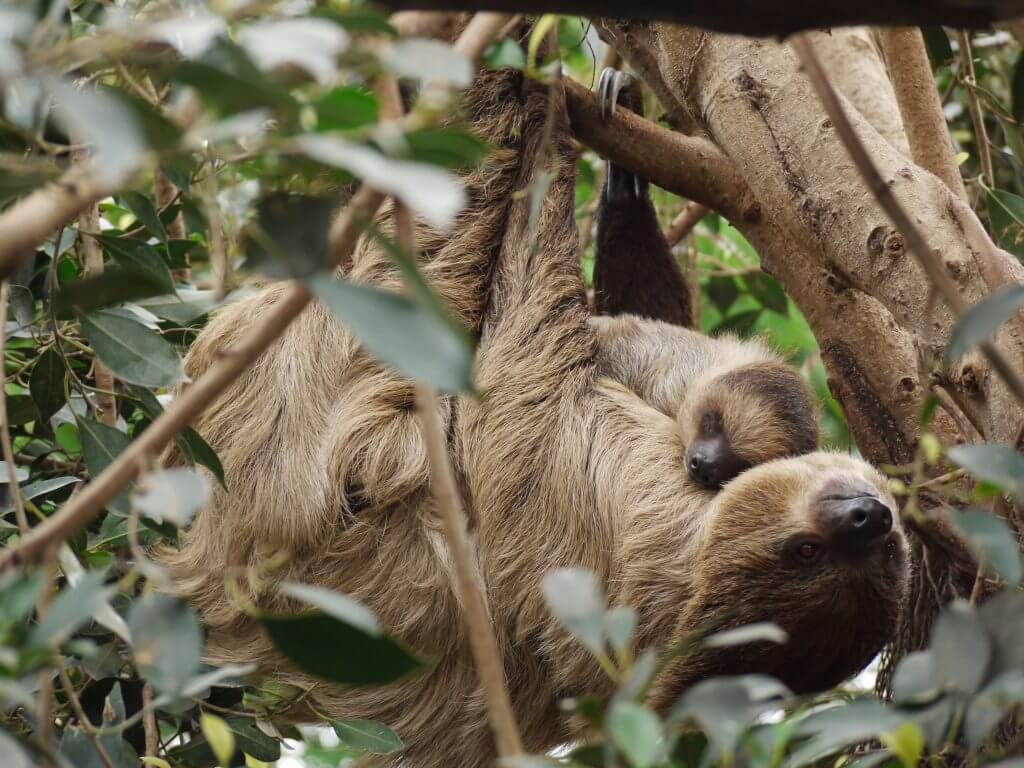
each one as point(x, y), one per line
point(812, 543)
point(745, 417)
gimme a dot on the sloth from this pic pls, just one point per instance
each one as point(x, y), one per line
point(737, 403)
point(560, 464)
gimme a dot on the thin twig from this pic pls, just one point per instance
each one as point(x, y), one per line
point(149, 725)
point(44, 706)
point(83, 719)
point(5, 431)
point(104, 402)
point(977, 116)
point(468, 580)
point(920, 106)
point(205, 389)
point(215, 223)
point(684, 223)
point(883, 194)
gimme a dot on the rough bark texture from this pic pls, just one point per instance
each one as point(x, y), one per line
point(824, 237)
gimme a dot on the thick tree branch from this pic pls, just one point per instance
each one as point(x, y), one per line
point(918, 246)
point(751, 16)
point(920, 105)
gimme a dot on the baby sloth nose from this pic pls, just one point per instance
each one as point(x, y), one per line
point(712, 463)
point(855, 522)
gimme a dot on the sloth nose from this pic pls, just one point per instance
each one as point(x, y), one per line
point(711, 463)
point(856, 522)
point(702, 468)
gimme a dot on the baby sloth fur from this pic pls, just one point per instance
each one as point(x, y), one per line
point(571, 456)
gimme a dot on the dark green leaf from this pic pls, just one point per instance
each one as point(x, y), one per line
point(992, 540)
point(937, 42)
point(413, 337)
point(766, 290)
point(725, 707)
point(723, 292)
point(47, 384)
point(252, 741)
point(367, 736)
point(505, 53)
point(100, 446)
point(135, 254)
point(113, 286)
point(167, 641)
point(1007, 213)
point(184, 308)
point(336, 604)
point(447, 147)
point(289, 235)
point(961, 648)
point(18, 594)
point(20, 410)
point(1003, 617)
point(741, 323)
point(1017, 90)
point(78, 750)
point(145, 212)
point(996, 464)
point(45, 487)
point(833, 729)
point(333, 650)
point(131, 350)
point(983, 319)
point(915, 681)
point(344, 108)
point(72, 608)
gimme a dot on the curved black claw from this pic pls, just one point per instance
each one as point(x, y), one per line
point(619, 184)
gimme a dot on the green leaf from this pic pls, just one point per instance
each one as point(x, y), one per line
point(101, 444)
point(961, 648)
point(996, 464)
point(138, 256)
point(1017, 89)
point(114, 285)
point(47, 384)
point(334, 650)
point(937, 43)
point(992, 540)
point(760, 632)
point(914, 681)
point(166, 640)
point(77, 749)
point(68, 439)
point(72, 608)
point(619, 626)
point(637, 733)
point(740, 323)
point(834, 729)
point(252, 741)
point(505, 54)
point(446, 147)
point(575, 598)
point(187, 306)
point(425, 60)
point(336, 604)
point(21, 409)
point(906, 742)
point(132, 351)
point(289, 236)
point(367, 736)
point(722, 291)
point(433, 193)
point(218, 736)
point(18, 594)
point(345, 108)
point(145, 212)
point(983, 319)
point(417, 340)
point(767, 291)
point(1007, 213)
point(172, 495)
point(12, 754)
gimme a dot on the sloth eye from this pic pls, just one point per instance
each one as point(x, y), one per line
point(807, 551)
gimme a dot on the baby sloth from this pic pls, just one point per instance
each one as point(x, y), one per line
point(736, 403)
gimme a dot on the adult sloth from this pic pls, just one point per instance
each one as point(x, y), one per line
point(560, 464)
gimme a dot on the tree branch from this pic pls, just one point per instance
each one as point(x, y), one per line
point(751, 16)
point(683, 223)
point(915, 240)
point(920, 106)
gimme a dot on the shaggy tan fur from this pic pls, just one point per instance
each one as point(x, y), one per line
point(561, 464)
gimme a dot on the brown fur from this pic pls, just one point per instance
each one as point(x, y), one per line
point(560, 463)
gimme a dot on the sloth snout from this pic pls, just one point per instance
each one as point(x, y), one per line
point(856, 522)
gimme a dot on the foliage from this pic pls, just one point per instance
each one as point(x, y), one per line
point(231, 138)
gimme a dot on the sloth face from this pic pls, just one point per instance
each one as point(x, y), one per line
point(813, 544)
point(743, 418)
